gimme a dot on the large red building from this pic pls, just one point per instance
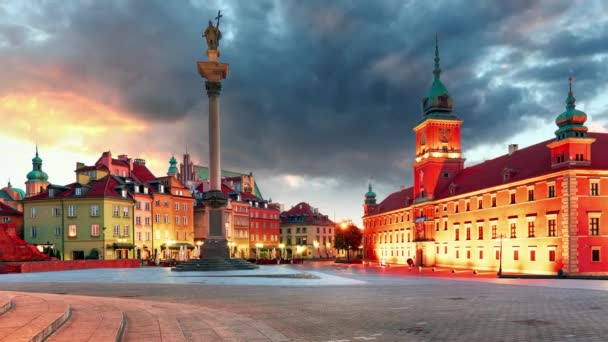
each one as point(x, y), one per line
point(544, 207)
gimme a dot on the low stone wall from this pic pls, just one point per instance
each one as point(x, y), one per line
point(59, 265)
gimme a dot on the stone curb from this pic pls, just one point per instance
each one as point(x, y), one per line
point(121, 329)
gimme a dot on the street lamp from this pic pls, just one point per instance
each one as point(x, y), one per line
point(501, 236)
point(328, 248)
point(282, 247)
point(316, 245)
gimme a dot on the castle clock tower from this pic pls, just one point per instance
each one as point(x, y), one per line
point(438, 149)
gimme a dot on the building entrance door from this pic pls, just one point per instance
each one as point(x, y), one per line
point(419, 257)
point(77, 255)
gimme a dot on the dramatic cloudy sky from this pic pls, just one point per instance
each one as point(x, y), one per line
point(320, 96)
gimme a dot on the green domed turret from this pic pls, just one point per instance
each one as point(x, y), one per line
point(37, 175)
point(173, 167)
point(370, 196)
point(571, 122)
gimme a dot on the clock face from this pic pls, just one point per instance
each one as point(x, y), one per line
point(445, 134)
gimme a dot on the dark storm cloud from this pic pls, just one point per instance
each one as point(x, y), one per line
point(318, 88)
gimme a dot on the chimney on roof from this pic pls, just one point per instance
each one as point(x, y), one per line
point(106, 159)
point(123, 157)
point(140, 161)
point(513, 148)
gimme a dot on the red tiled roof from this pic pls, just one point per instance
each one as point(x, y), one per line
point(248, 195)
point(529, 162)
point(103, 187)
point(65, 193)
point(302, 209)
point(98, 188)
point(397, 200)
point(142, 173)
point(6, 209)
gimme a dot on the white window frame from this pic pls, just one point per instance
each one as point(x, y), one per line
point(72, 210)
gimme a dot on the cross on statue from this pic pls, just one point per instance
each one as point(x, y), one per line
point(219, 15)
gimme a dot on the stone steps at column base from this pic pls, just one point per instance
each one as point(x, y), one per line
point(215, 265)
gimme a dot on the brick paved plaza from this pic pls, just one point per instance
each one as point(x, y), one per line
point(393, 304)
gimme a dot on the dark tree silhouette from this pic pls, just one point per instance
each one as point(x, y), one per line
point(349, 239)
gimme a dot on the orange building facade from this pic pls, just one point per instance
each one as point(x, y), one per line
point(535, 210)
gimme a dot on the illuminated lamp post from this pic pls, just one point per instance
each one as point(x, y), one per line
point(501, 236)
point(316, 245)
point(282, 248)
point(328, 247)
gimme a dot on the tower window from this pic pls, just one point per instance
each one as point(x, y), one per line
point(444, 149)
point(446, 175)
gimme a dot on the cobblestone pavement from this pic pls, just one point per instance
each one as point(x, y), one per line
point(389, 307)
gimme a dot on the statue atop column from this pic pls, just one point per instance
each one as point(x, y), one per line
point(212, 34)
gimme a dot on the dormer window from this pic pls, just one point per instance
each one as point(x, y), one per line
point(51, 192)
point(145, 190)
point(136, 188)
point(124, 193)
point(161, 189)
point(78, 191)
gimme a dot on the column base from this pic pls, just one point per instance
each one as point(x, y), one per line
point(215, 248)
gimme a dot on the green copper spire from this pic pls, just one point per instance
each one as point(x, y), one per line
point(173, 167)
point(570, 100)
point(37, 175)
point(370, 196)
point(437, 103)
point(437, 70)
point(571, 122)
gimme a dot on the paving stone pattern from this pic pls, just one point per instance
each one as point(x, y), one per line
point(395, 308)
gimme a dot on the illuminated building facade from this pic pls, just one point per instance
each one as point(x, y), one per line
point(307, 233)
point(544, 207)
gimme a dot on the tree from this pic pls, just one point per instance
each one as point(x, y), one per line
point(349, 239)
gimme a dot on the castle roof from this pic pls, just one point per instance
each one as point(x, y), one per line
point(529, 162)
